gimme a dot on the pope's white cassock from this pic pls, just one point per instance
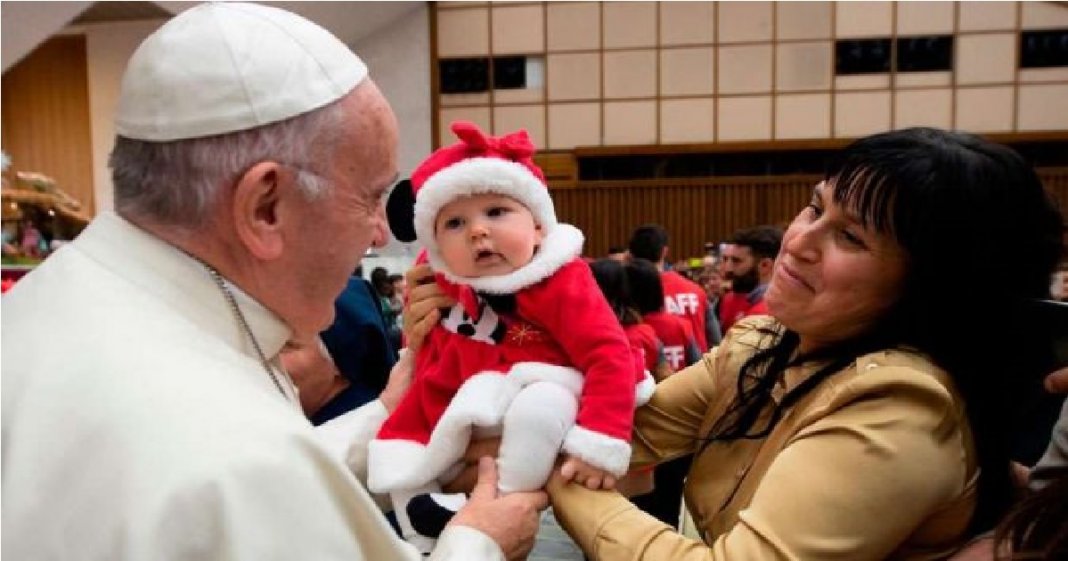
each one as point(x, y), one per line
point(139, 423)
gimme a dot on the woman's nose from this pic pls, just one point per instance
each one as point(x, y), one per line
point(802, 242)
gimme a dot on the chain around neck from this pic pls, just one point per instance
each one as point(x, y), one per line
point(243, 323)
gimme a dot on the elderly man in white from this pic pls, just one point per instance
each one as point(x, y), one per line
point(145, 414)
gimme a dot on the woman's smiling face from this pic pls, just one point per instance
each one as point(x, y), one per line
point(834, 278)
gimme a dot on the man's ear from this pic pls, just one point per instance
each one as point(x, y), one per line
point(765, 265)
point(255, 211)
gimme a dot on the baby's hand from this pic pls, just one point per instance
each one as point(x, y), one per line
point(575, 469)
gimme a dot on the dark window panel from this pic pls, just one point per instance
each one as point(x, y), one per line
point(925, 54)
point(1044, 49)
point(861, 56)
point(464, 75)
point(761, 162)
point(509, 73)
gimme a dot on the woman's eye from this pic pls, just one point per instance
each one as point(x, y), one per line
point(852, 239)
point(814, 209)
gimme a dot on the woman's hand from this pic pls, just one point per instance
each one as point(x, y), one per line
point(581, 472)
point(421, 305)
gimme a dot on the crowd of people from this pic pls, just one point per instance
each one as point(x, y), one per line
point(228, 387)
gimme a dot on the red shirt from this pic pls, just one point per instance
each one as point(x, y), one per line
point(734, 306)
point(688, 300)
point(643, 338)
point(680, 346)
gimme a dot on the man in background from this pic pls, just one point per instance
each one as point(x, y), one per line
point(747, 263)
point(682, 297)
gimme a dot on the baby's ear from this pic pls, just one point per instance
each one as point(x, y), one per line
point(539, 232)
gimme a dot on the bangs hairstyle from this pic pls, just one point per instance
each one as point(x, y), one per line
point(951, 201)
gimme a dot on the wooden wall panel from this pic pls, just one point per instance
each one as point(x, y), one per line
point(696, 211)
point(46, 125)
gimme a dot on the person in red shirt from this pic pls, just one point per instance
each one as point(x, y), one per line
point(747, 262)
point(680, 345)
point(682, 297)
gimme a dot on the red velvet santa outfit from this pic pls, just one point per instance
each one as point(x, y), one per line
point(536, 351)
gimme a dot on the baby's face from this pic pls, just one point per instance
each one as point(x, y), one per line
point(486, 235)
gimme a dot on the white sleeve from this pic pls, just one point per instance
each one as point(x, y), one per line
point(464, 542)
point(346, 437)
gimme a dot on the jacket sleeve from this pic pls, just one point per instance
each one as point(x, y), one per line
point(903, 436)
point(668, 425)
point(571, 307)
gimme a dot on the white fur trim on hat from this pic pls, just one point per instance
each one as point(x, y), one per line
point(476, 176)
point(599, 450)
point(223, 67)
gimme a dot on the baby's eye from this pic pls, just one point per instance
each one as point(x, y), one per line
point(496, 211)
point(452, 223)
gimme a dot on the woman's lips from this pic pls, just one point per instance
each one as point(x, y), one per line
point(791, 276)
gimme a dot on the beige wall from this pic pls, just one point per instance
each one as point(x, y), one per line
point(399, 61)
point(109, 46)
point(635, 73)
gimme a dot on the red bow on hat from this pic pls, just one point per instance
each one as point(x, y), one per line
point(474, 143)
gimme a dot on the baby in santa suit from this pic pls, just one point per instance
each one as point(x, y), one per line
point(531, 351)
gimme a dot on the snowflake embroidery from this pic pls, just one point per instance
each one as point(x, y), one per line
point(521, 333)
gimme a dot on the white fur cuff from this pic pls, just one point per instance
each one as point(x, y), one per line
point(390, 465)
point(643, 392)
point(526, 373)
point(598, 450)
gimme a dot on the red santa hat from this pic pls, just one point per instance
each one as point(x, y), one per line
point(479, 164)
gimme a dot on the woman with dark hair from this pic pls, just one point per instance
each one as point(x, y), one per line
point(867, 418)
point(1036, 529)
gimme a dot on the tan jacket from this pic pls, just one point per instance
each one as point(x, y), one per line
point(876, 462)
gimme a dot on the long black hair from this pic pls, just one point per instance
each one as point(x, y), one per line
point(612, 278)
point(957, 205)
point(647, 289)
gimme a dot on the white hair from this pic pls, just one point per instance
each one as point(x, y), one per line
point(177, 182)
